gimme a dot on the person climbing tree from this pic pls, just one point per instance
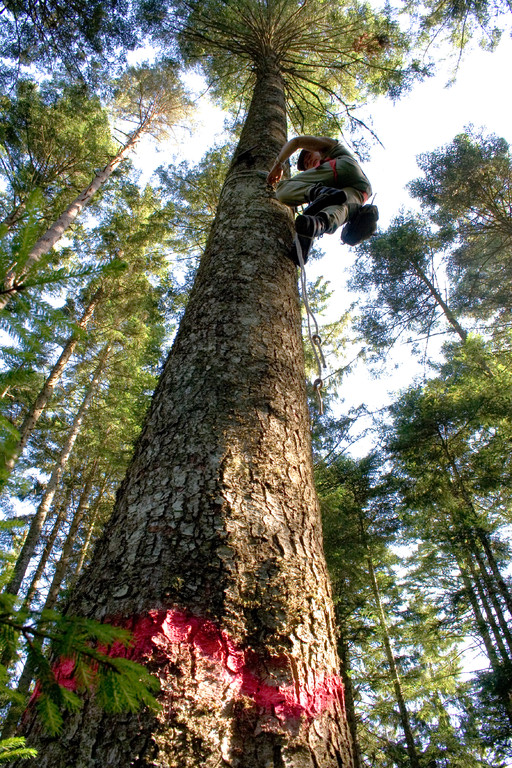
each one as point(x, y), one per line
point(334, 185)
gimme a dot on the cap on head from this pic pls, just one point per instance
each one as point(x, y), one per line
point(301, 160)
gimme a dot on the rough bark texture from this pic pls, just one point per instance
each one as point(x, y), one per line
point(214, 554)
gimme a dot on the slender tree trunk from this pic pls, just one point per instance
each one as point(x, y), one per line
point(500, 582)
point(14, 216)
point(91, 522)
point(479, 619)
point(39, 518)
point(496, 664)
point(46, 392)
point(213, 555)
point(27, 674)
point(14, 280)
point(491, 621)
point(67, 549)
point(349, 695)
point(482, 535)
point(45, 555)
point(492, 592)
point(442, 303)
point(395, 677)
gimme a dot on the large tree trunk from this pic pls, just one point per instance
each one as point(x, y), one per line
point(213, 554)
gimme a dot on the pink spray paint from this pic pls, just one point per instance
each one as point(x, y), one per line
point(161, 633)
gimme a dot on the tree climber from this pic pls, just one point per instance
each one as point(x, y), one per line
point(333, 184)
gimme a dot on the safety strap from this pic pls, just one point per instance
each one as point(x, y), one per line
point(316, 341)
point(332, 163)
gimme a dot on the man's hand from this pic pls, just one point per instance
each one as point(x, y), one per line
point(275, 173)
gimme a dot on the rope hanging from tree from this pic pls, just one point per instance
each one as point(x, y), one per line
point(316, 341)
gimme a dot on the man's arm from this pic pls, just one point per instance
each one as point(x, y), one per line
point(311, 143)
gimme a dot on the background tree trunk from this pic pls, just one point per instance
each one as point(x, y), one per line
point(393, 670)
point(44, 244)
point(214, 553)
point(32, 539)
point(41, 401)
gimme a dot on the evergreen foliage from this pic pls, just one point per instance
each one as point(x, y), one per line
point(330, 56)
point(81, 651)
point(459, 22)
point(444, 470)
point(439, 488)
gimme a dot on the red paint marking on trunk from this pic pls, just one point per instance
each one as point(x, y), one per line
point(159, 633)
point(64, 673)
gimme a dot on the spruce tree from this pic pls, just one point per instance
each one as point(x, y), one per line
point(213, 555)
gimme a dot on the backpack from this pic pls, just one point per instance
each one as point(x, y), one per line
point(361, 226)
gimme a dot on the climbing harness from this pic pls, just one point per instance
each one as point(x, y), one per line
point(316, 341)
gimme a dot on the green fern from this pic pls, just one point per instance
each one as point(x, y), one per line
point(118, 684)
point(15, 747)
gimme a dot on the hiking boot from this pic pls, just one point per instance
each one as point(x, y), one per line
point(307, 228)
point(321, 197)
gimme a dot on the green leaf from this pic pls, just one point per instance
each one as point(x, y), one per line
point(15, 747)
point(50, 714)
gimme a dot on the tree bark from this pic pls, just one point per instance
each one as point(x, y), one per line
point(213, 555)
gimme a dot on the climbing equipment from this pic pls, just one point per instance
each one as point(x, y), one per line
point(316, 341)
point(361, 226)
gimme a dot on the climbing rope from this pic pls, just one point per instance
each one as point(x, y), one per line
point(316, 341)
